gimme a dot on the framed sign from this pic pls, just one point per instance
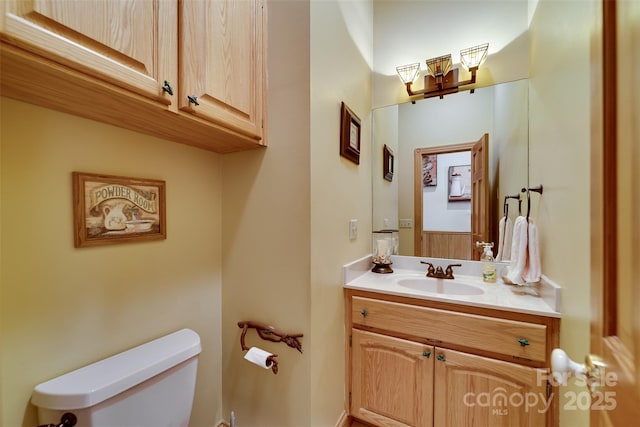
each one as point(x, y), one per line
point(112, 209)
point(349, 134)
point(459, 183)
point(429, 170)
point(387, 163)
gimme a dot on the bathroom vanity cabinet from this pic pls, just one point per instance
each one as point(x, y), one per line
point(191, 71)
point(416, 362)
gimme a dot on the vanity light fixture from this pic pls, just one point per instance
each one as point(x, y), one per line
point(441, 78)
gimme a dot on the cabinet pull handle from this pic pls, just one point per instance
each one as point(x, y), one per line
point(523, 342)
point(167, 88)
point(441, 357)
point(426, 353)
point(193, 99)
point(364, 312)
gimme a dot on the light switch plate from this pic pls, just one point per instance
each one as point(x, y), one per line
point(406, 223)
point(353, 229)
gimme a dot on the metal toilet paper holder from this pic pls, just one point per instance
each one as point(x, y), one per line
point(269, 333)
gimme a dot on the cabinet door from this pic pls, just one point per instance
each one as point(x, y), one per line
point(392, 380)
point(221, 63)
point(129, 43)
point(475, 391)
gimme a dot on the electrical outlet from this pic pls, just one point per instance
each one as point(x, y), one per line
point(406, 223)
point(353, 229)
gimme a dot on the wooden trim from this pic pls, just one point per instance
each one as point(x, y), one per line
point(446, 244)
point(610, 167)
point(344, 420)
point(596, 208)
point(347, 350)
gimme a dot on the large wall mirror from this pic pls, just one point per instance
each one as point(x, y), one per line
point(432, 125)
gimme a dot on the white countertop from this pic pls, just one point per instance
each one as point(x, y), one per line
point(539, 299)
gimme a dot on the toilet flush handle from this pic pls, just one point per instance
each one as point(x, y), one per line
point(67, 420)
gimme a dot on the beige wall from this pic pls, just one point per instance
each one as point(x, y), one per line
point(341, 36)
point(266, 238)
point(286, 217)
point(62, 308)
point(560, 141)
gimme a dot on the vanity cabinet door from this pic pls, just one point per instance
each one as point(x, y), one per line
point(475, 391)
point(392, 380)
point(221, 63)
point(130, 44)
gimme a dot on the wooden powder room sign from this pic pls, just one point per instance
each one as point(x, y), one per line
point(111, 209)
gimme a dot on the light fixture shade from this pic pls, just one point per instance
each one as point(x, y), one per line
point(408, 73)
point(473, 57)
point(439, 66)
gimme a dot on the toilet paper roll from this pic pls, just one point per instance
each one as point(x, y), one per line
point(258, 356)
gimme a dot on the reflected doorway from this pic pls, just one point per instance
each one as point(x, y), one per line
point(449, 217)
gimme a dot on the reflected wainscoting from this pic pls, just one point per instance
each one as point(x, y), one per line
point(446, 244)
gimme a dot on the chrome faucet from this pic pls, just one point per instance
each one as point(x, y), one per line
point(438, 272)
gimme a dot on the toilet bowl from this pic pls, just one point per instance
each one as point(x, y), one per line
point(150, 385)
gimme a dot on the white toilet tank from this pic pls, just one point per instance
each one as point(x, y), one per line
point(151, 385)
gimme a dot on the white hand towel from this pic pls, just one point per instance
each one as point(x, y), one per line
point(518, 251)
point(501, 229)
point(532, 270)
point(505, 238)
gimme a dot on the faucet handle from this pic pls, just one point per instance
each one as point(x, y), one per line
point(431, 270)
point(449, 270)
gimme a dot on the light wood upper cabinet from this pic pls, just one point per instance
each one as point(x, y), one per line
point(128, 43)
point(221, 62)
point(108, 60)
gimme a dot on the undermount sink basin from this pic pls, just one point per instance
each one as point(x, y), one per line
point(439, 286)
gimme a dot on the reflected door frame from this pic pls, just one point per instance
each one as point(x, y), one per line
point(419, 153)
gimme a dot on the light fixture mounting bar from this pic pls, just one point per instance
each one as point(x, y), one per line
point(442, 85)
point(441, 78)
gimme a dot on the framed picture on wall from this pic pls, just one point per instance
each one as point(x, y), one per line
point(111, 209)
point(349, 134)
point(429, 170)
point(387, 163)
point(459, 183)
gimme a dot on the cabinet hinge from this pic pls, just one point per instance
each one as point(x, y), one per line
point(349, 399)
point(548, 389)
point(350, 340)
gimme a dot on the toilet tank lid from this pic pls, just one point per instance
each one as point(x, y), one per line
point(101, 380)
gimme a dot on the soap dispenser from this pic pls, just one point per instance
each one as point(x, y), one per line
point(488, 263)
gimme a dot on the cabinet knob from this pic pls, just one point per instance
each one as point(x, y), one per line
point(364, 312)
point(426, 353)
point(441, 357)
point(167, 88)
point(193, 99)
point(523, 342)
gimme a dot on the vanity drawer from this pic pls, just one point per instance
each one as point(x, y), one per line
point(508, 337)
